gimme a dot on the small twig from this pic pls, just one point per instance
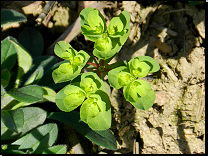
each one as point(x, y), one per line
point(49, 5)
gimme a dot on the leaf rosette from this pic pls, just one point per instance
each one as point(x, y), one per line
point(73, 64)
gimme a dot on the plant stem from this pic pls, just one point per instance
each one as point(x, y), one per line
point(102, 62)
point(93, 64)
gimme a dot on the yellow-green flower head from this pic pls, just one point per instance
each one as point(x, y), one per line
point(139, 69)
point(88, 85)
point(75, 96)
point(115, 26)
point(124, 78)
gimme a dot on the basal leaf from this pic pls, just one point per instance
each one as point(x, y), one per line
point(32, 40)
point(8, 54)
point(32, 93)
point(58, 149)
point(9, 16)
point(33, 116)
point(102, 138)
point(38, 139)
point(13, 119)
point(24, 60)
point(5, 77)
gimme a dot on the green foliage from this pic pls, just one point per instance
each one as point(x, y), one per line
point(103, 138)
point(25, 125)
point(138, 92)
point(72, 68)
point(9, 16)
point(32, 41)
point(29, 78)
point(95, 109)
point(86, 89)
point(107, 41)
point(22, 128)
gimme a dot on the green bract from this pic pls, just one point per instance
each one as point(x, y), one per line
point(92, 23)
point(95, 103)
point(74, 64)
point(124, 78)
point(96, 111)
point(107, 42)
point(137, 92)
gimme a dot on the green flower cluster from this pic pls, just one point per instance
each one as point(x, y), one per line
point(107, 41)
point(73, 65)
point(138, 92)
point(95, 104)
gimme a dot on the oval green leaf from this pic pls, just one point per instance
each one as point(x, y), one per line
point(24, 60)
point(58, 149)
point(13, 119)
point(29, 94)
point(32, 40)
point(9, 16)
point(139, 94)
point(38, 139)
point(102, 138)
point(8, 54)
point(33, 116)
